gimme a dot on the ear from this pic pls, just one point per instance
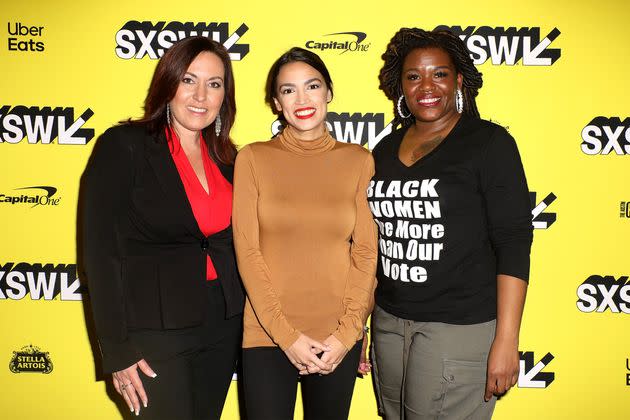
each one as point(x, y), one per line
point(460, 80)
point(328, 96)
point(277, 104)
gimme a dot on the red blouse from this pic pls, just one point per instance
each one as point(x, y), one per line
point(212, 210)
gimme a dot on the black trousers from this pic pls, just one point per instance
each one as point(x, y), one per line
point(194, 366)
point(270, 385)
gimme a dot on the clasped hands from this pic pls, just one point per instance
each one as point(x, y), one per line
point(310, 356)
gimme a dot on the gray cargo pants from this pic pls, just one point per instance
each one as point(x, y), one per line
point(431, 370)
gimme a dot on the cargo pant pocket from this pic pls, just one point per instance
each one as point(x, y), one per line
point(463, 389)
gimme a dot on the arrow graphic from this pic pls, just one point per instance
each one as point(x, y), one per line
point(531, 376)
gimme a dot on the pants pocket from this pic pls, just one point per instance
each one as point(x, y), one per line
point(463, 390)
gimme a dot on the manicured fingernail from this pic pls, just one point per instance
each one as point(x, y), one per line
point(138, 413)
point(154, 375)
point(131, 408)
point(145, 404)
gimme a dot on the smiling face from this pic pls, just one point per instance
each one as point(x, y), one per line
point(429, 83)
point(199, 96)
point(302, 96)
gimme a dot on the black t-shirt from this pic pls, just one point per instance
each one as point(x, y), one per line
point(450, 223)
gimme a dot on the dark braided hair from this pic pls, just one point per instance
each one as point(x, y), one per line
point(408, 39)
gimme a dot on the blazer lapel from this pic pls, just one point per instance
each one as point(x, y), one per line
point(159, 156)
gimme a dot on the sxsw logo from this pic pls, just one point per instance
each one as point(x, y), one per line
point(605, 135)
point(44, 125)
point(531, 374)
point(363, 129)
point(139, 39)
point(509, 46)
point(601, 293)
point(39, 282)
point(540, 218)
point(342, 42)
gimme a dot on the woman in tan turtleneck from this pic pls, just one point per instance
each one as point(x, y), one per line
point(306, 247)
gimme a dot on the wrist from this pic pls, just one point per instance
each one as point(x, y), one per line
point(506, 339)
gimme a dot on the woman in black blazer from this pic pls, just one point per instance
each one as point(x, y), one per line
point(157, 248)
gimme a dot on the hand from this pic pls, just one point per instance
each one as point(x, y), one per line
point(335, 355)
point(503, 367)
point(364, 362)
point(303, 355)
point(128, 384)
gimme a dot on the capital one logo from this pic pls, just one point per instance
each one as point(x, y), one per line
point(508, 46)
point(145, 39)
point(603, 136)
point(342, 42)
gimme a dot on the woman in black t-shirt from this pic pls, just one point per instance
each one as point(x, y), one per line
point(454, 216)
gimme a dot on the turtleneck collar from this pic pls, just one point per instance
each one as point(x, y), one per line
point(306, 147)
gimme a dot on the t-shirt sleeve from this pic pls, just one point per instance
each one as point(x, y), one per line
point(251, 263)
point(361, 277)
point(508, 206)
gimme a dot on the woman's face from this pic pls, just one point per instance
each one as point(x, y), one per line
point(302, 96)
point(429, 83)
point(199, 96)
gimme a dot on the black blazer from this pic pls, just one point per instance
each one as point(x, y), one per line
point(143, 252)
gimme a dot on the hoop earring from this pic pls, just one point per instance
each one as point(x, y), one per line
point(217, 125)
point(399, 108)
point(459, 101)
point(168, 115)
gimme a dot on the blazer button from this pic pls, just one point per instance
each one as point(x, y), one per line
point(204, 244)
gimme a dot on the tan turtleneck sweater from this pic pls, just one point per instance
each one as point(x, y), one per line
point(305, 239)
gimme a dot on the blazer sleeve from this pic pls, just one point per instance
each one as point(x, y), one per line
point(251, 263)
point(107, 183)
point(363, 253)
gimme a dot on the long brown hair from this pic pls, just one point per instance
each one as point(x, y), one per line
point(166, 79)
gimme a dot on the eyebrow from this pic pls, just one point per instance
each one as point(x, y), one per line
point(212, 78)
point(314, 79)
point(434, 68)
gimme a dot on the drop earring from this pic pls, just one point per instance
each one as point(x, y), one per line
point(459, 101)
point(217, 125)
point(168, 115)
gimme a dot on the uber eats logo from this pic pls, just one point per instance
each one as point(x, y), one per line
point(141, 39)
point(602, 293)
point(603, 136)
point(44, 125)
point(508, 46)
point(25, 38)
point(363, 129)
point(39, 281)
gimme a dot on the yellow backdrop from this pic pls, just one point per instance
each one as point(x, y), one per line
point(70, 69)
